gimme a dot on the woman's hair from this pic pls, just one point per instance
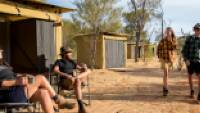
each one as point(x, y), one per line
point(172, 33)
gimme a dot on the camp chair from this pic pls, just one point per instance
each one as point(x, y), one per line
point(55, 82)
point(14, 107)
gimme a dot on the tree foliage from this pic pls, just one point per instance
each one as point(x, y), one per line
point(92, 16)
point(141, 12)
point(142, 15)
point(97, 14)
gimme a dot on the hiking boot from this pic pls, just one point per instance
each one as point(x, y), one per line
point(192, 94)
point(165, 91)
point(81, 108)
point(64, 103)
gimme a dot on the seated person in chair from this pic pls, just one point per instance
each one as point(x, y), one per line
point(65, 67)
point(16, 89)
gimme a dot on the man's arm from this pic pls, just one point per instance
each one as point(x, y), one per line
point(79, 67)
point(57, 70)
point(185, 49)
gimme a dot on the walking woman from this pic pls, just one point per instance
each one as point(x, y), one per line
point(166, 52)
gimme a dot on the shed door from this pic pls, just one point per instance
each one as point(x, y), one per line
point(45, 44)
point(132, 51)
point(115, 54)
point(32, 45)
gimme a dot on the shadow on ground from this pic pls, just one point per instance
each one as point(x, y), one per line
point(146, 92)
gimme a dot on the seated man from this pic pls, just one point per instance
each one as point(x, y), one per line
point(64, 67)
point(15, 88)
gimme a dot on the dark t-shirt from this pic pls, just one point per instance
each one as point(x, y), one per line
point(6, 73)
point(66, 65)
point(14, 94)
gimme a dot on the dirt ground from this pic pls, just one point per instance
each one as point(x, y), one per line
point(138, 89)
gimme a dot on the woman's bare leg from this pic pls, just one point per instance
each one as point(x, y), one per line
point(41, 82)
point(165, 78)
point(44, 98)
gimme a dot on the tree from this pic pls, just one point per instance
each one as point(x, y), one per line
point(95, 16)
point(98, 14)
point(131, 23)
point(69, 31)
point(141, 12)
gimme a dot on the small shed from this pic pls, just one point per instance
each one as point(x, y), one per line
point(111, 50)
point(30, 33)
point(145, 50)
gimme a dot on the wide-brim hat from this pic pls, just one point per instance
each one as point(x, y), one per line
point(64, 50)
point(197, 26)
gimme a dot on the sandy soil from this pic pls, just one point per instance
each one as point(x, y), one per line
point(138, 89)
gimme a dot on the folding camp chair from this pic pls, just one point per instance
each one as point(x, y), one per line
point(55, 82)
point(10, 107)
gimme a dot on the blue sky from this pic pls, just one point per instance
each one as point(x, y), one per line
point(182, 14)
point(177, 13)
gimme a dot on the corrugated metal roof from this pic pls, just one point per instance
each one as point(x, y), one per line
point(41, 5)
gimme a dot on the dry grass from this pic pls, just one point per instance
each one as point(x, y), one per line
point(138, 89)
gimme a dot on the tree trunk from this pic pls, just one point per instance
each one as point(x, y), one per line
point(137, 45)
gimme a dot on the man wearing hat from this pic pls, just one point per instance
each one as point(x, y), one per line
point(15, 88)
point(65, 68)
point(191, 55)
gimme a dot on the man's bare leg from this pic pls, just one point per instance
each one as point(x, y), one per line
point(78, 92)
point(78, 81)
point(190, 79)
point(77, 87)
point(84, 75)
point(198, 75)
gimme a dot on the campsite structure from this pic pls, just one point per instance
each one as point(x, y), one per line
point(30, 33)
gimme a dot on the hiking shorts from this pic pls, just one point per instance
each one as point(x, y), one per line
point(194, 67)
point(13, 95)
point(66, 84)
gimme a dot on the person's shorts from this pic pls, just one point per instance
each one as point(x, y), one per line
point(66, 84)
point(13, 95)
point(194, 67)
point(165, 64)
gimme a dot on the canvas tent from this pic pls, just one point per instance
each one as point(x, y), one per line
point(111, 50)
point(30, 33)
